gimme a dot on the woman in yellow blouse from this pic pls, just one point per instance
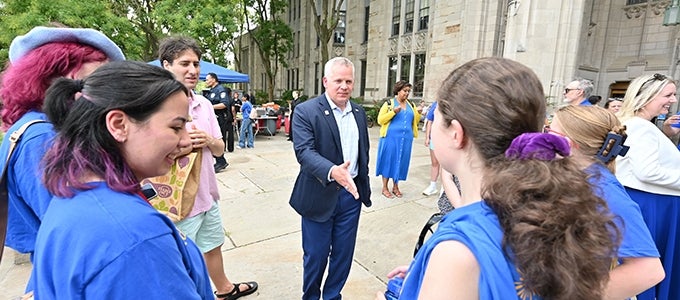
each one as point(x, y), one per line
point(398, 119)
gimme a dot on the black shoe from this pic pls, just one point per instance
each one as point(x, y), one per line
point(220, 167)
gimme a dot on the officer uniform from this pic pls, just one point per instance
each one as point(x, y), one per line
point(225, 119)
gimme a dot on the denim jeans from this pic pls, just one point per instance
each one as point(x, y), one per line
point(246, 133)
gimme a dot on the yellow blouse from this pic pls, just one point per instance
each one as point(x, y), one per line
point(387, 113)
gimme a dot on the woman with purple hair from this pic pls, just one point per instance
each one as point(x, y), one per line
point(100, 238)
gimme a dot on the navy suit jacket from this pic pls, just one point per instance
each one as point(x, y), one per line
point(318, 148)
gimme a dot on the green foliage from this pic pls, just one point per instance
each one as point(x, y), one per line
point(19, 16)
point(211, 22)
point(287, 95)
point(261, 97)
point(273, 37)
point(136, 26)
point(372, 111)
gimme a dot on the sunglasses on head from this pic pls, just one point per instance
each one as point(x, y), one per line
point(657, 76)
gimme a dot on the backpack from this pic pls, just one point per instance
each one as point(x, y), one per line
point(389, 102)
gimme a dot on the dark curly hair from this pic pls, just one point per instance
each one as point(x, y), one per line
point(559, 235)
point(400, 85)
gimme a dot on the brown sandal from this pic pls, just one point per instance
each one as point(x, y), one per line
point(387, 194)
point(397, 193)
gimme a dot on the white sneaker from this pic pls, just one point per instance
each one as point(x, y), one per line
point(430, 190)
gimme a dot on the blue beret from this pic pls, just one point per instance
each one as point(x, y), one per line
point(39, 36)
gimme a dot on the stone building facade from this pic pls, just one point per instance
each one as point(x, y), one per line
point(607, 41)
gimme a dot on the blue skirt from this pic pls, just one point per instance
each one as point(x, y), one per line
point(660, 213)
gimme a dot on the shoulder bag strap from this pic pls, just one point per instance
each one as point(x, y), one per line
point(434, 219)
point(4, 197)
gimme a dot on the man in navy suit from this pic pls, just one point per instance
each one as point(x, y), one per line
point(331, 145)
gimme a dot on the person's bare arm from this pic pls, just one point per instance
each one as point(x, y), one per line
point(452, 273)
point(633, 276)
point(450, 188)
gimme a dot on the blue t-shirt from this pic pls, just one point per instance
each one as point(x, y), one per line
point(636, 239)
point(28, 198)
point(476, 226)
point(103, 244)
point(585, 102)
point(245, 109)
point(430, 112)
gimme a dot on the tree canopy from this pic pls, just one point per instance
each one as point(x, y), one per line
point(135, 25)
point(273, 36)
point(325, 23)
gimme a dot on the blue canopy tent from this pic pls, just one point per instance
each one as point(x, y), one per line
point(224, 75)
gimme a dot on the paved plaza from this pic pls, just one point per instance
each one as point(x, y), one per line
point(263, 231)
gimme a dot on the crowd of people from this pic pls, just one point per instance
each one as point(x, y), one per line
point(584, 207)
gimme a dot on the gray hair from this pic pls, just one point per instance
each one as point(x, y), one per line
point(586, 86)
point(343, 61)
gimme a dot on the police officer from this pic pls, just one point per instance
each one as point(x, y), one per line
point(222, 104)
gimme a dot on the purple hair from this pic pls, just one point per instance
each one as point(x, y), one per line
point(118, 177)
point(23, 84)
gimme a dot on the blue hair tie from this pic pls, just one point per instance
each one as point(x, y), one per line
point(618, 148)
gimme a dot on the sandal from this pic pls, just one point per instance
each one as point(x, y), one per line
point(397, 193)
point(387, 194)
point(237, 293)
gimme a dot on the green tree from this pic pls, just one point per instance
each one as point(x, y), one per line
point(212, 23)
point(135, 25)
point(272, 35)
point(325, 22)
point(19, 16)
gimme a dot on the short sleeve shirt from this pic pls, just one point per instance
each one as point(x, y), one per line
point(203, 117)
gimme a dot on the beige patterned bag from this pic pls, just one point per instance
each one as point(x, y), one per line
point(176, 191)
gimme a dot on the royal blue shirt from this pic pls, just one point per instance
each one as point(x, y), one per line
point(103, 244)
point(636, 239)
point(245, 109)
point(430, 112)
point(28, 198)
point(476, 226)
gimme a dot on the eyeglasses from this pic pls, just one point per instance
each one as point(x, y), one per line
point(569, 90)
point(546, 129)
point(657, 76)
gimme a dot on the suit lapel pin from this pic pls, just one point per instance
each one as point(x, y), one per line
point(326, 112)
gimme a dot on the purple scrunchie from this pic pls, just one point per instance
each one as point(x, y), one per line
point(536, 145)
